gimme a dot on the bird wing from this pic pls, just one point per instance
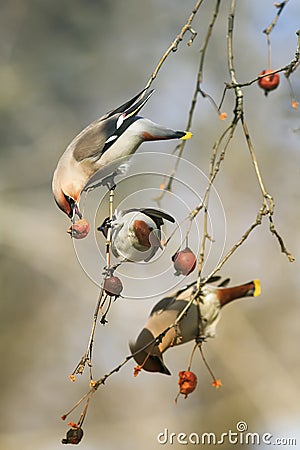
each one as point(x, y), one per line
point(155, 214)
point(162, 305)
point(167, 302)
point(223, 283)
point(90, 143)
point(97, 137)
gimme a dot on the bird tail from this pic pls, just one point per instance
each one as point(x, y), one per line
point(148, 357)
point(132, 106)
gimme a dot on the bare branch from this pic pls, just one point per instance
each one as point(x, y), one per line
point(279, 7)
point(187, 27)
point(168, 180)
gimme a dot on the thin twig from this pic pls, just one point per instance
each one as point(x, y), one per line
point(263, 211)
point(214, 167)
point(268, 198)
point(296, 60)
point(174, 45)
point(279, 7)
point(192, 356)
point(206, 363)
point(101, 381)
point(268, 202)
point(270, 28)
point(218, 154)
point(280, 240)
point(87, 357)
point(288, 69)
point(109, 232)
point(168, 180)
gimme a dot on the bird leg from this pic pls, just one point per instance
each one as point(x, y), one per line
point(108, 181)
point(109, 231)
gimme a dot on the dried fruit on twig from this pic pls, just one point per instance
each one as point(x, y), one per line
point(223, 116)
point(269, 82)
point(187, 382)
point(80, 229)
point(184, 261)
point(137, 370)
point(74, 436)
point(113, 286)
point(217, 383)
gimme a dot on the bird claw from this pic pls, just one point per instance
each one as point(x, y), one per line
point(105, 225)
point(122, 169)
point(108, 271)
point(109, 182)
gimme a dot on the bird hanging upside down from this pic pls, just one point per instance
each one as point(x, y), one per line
point(198, 323)
point(136, 233)
point(113, 136)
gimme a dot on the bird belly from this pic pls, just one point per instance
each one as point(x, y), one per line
point(125, 145)
point(126, 246)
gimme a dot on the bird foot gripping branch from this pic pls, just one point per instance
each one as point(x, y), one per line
point(109, 180)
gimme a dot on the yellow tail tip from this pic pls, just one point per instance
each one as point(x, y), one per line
point(187, 136)
point(257, 288)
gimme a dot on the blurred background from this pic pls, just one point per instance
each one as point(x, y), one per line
point(63, 64)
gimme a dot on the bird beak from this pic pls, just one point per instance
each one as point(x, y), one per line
point(77, 211)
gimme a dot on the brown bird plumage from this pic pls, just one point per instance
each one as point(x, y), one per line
point(107, 140)
point(199, 321)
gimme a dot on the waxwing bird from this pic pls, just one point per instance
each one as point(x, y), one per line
point(115, 135)
point(136, 233)
point(198, 323)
